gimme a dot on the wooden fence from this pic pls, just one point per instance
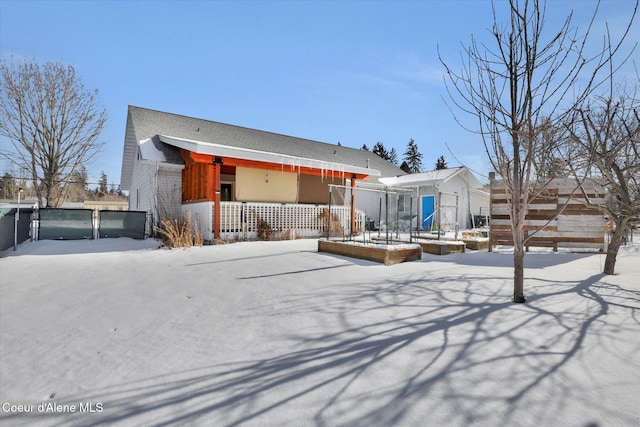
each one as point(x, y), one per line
point(558, 217)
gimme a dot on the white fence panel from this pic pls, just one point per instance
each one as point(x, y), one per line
point(239, 220)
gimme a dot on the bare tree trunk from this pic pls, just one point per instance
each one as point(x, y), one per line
point(518, 254)
point(518, 273)
point(614, 245)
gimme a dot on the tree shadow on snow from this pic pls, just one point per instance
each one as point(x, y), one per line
point(409, 350)
point(532, 260)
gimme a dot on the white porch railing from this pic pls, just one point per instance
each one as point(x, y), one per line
point(239, 220)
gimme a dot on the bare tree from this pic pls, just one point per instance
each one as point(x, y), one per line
point(52, 122)
point(516, 91)
point(608, 133)
point(551, 155)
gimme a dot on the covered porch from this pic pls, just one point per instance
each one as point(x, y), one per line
point(230, 192)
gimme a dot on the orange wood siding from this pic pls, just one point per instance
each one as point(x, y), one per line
point(198, 174)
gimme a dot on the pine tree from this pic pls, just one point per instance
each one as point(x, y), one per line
point(405, 167)
point(76, 187)
point(380, 151)
point(364, 147)
point(393, 157)
point(441, 163)
point(103, 184)
point(8, 186)
point(413, 157)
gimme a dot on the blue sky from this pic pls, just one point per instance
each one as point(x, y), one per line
point(357, 72)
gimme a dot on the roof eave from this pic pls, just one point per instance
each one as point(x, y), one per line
point(262, 156)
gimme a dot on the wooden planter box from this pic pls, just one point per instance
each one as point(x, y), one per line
point(388, 255)
point(477, 244)
point(443, 248)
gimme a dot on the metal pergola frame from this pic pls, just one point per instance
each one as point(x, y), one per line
point(386, 190)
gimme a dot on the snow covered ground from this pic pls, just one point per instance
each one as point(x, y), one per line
point(275, 334)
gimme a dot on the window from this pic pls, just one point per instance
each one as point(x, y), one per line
point(226, 194)
point(404, 203)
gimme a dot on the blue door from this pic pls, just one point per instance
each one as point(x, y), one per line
point(428, 207)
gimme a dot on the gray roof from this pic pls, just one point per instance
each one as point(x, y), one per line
point(434, 177)
point(143, 124)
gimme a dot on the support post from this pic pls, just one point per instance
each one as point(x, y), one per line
point(456, 217)
point(386, 213)
point(492, 177)
point(217, 165)
point(439, 213)
point(15, 224)
point(353, 204)
point(379, 212)
point(329, 215)
point(411, 220)
point(398, 217)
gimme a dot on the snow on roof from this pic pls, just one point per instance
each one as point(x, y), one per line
point(153, 150)
point(435, 177)
point(263, 156)
point(143, 124)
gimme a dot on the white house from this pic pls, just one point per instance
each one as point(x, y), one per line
point(231, 177)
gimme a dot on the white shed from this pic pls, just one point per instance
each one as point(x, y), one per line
point(455, 195)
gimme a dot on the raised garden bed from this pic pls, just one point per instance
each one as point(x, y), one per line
point(477, 244)
point(440, 247)
point(386, 254)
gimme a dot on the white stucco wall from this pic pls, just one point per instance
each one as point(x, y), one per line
point(454, 185)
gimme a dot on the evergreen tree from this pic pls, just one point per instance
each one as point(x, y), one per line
point(364, 147)
point(380, 151)
point(103, 184)
point(413, 157)
point(405, 167)
point(393, 157)
point(441, 163)
point(8, 186)
point(80, 177)
point(76, 187)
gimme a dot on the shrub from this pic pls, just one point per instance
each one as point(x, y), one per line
point(179, 233)
point(331, 222)
point(263, 230)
